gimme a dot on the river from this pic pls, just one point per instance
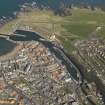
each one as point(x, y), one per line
point(6, 46)
point(29, 36)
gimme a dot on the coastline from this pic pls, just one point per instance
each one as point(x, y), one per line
point(12, 53)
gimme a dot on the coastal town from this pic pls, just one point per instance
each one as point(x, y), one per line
point(52, 52)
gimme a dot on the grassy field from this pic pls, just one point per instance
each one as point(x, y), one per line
point(68, 29)
point(84, 22)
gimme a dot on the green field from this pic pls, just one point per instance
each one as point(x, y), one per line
point(80, 25)
point(83, 22)
point(68, 29)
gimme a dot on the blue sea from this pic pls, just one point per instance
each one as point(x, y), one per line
point(8, 7)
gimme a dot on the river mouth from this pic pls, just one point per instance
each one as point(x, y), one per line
point(6, 46)
point(21, 36)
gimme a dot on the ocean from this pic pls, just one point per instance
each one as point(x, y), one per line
point(8, 7)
